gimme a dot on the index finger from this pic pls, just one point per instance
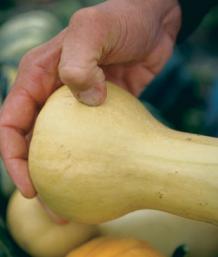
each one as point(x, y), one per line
point(36, 80)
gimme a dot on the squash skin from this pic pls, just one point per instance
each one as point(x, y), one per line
point(35, 233)
point(100, 163)
point(110, 247)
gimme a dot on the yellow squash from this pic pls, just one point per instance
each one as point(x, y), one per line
point(94, 164)
point(33, 230)
point(111, 247)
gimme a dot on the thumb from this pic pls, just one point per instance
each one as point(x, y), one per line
point(81, 55)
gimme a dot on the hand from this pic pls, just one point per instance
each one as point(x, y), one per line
point(124, 41)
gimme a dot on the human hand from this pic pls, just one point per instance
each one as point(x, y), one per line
point(124, 41)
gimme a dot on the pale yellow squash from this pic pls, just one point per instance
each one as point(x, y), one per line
point(38, 235)
point(94, 164)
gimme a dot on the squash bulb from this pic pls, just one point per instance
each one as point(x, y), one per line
point(35, 233)
point(94, 164)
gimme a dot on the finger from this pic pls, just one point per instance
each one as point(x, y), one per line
point(160, 54)
point(81, 55)
point(132, 77)
point(37, 79)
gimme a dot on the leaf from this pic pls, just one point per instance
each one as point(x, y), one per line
point(181, 251)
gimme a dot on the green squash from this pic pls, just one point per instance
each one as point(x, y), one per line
point(25, 31)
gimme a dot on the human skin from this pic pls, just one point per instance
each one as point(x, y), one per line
point(125, 41)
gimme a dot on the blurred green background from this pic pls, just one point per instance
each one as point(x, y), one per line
point(184, 95)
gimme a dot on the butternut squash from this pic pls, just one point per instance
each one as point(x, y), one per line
point(94, 164)
point(38, 235)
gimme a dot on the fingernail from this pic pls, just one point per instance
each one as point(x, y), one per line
point(93, 96)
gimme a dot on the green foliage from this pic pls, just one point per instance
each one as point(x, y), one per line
point(181, 251)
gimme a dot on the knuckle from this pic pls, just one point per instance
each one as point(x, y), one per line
point(31, 57)
point(87, 15)
point(27, 59)
point(74, 76)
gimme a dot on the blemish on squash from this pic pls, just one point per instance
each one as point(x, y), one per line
point(203, 204)
point(160, 195)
